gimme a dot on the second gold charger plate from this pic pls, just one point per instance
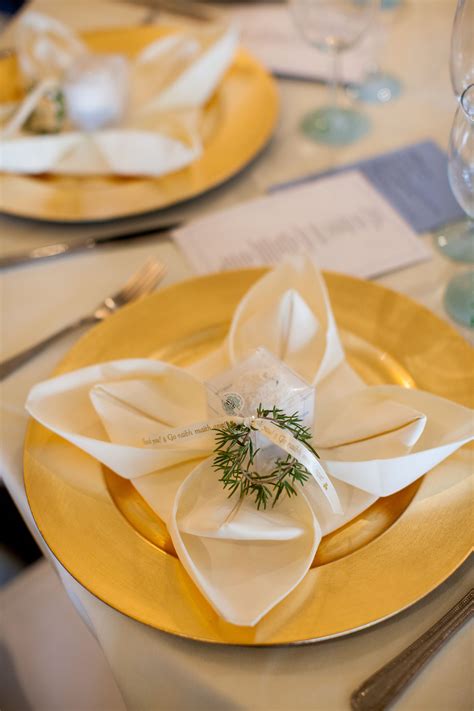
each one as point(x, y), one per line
point(386, 559)
point(237, 123)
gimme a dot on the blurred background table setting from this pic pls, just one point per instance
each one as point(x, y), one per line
point(153, 154)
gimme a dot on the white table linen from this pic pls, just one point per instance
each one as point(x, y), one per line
point(154, 670)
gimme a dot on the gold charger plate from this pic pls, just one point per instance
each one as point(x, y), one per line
point(237, 122)
point(389, 557)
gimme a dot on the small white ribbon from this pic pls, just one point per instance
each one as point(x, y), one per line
point(277, 435)
point(292, 446)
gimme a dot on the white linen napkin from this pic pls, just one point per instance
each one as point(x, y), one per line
point(169, 82)
point(146, 420)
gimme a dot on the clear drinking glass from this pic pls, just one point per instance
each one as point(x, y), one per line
point(459, 296)
point(334, 26)
point(378, 87)
point(456, 240)
point(462, 47)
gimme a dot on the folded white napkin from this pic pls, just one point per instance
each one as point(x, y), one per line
point(146, 420)
point(163, 90)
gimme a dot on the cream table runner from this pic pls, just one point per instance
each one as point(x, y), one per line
point(153, 670)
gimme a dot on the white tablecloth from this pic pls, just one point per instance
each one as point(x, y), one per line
point(153, 670)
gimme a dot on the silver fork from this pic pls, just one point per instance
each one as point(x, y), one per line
point(140, 283)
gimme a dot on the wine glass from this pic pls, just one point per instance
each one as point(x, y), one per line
point(378, 87)
point(456, 240)
point(459, 296)
point(333, 26)
point(462, 44)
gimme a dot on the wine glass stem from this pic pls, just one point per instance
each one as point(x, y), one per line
point(375, 40)
point(335, 78)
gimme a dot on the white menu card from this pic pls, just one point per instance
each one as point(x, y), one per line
point(341, 221)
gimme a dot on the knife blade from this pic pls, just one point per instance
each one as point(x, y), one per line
point(193, 9)
point(61, 249)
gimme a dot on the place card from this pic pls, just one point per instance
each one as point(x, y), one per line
point(341, 221)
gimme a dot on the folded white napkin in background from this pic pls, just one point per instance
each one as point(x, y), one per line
point(163, 91)
point(146, 420)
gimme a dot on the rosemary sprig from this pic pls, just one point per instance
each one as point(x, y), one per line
point(235, 459)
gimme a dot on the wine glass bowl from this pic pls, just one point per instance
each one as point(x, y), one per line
point(332, 25)
point(456, 241)
point(462, 47)
point(461, 153)
point(459, 296)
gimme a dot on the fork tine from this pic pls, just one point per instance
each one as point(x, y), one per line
point(141, 281)
point(150, 278)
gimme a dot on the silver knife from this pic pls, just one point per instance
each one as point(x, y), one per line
point(188, 8)
point(60, 249)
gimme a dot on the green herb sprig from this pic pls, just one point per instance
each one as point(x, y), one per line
point(49, 115)
point(235, 459)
